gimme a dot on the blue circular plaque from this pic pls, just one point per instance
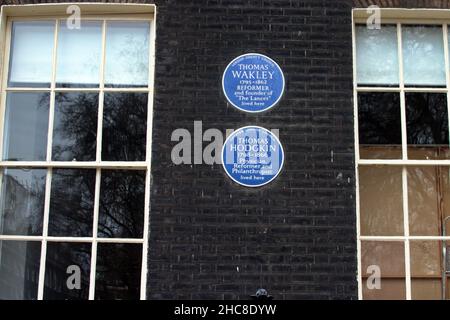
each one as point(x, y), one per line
point(253, 83)
point(252, 156)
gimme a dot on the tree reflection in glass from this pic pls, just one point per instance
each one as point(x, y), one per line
point(122, 204)
point(380, 134)
point(423, 56)
point(75, 127)
point(427, 125)
point(377, 56)
point(118, 271)
point(22, 201)
point(127, 53)
point(79, 55)
point(427, 118)
point(59, 285)
point(72, 202)
point(124, 127)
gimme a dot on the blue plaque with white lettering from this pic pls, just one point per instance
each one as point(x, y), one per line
point(252, 156)
point(253, 83)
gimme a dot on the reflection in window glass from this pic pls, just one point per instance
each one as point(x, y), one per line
point(124, 127)
point(122, 204)
point(79, 55)
point(19, 270)
point(31, 54)
point(64, 257)
point(118, 271)
point(426, 269)
point(26, 126)
point(75, 127)
point(44, 55)
point(127, 53)
point(381, 197)
point(423, 56)
point(389, 257)
point(72, 203)
point(425, 259)
point(377, 56)
point(22, 201)
point(428, 197)
point(380, 134)
point(427, 125)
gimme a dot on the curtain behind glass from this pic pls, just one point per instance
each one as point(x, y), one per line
point(377, 56)
point(79, 55)
point(423, 56)
point(31, 54)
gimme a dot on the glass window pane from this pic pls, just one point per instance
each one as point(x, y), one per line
point(380, 133)
point(423, 56)
point(31, 54)
point(391, 289)
point(75, 127)
point(425, 259)
point(127, 53)
point(72, 203)
point(377, 56)
point(22, 201)
point(389, 259)
point(381, 197)
point(63, 261)
point(427, 126)
point(122, 204)
point(26, 126)
point(428, 197)
point(426, 269)
point(118, 273)
point(19, 270)
point(124, 127)
point(79, 55)
point(426, 289)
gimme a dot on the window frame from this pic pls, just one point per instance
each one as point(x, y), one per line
point(89, 11)
point(399, 18)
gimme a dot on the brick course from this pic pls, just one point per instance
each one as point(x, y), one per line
point(295, 237)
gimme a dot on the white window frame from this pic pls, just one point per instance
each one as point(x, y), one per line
point(104, 12)
point(398, 17)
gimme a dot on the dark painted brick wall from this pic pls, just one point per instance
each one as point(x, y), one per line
point(435, 4)
point(295, 237)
